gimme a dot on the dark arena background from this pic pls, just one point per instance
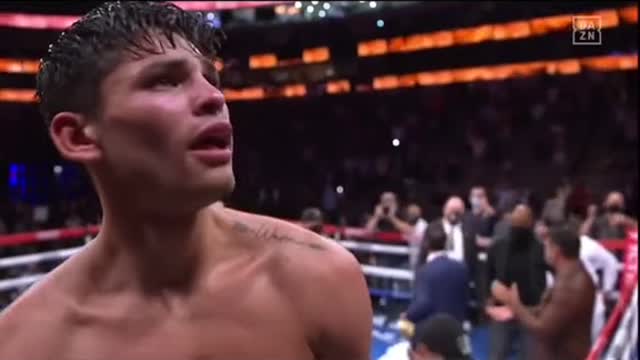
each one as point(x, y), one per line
point(339, 107)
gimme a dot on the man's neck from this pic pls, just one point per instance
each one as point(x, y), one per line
point(153, 253)
point(564, 264)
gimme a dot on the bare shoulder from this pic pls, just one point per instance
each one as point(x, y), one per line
point(309, 269)
point(272, 232)
point(294, 245)
point(577, 281)
point(30, 319)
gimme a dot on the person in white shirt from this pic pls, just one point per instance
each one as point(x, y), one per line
point(415, 233)
point(603, 267)
point(452, 224)
point(461, 244)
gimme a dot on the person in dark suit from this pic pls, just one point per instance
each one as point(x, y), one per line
point(441, 284)
point(518, 259)
point(460, 241)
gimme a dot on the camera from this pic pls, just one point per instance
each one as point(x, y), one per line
point(386, 210)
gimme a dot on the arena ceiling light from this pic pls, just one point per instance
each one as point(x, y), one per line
point(335, 9)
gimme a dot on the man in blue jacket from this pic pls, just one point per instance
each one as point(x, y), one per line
point(441, 284)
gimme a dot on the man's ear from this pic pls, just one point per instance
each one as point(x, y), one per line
point(75, 137)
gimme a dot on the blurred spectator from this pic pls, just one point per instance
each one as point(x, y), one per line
point(440, 337)
point(313, 220)
point(441, 284)
point(517, 259)
point(501, 229)
point(506, 195)
point(561, 324)
point(385, 216)
point(555, 208)
point(603, 267)
point(612, 224)
point(460, 245)
point(482, 218)
point(578, 200)
point(416, 233)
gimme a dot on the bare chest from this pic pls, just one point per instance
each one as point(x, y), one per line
point(233, 336)
point(246, 322)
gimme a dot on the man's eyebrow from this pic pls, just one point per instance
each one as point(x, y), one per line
point(162, 65)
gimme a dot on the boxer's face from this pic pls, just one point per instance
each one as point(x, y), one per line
point(154, 109)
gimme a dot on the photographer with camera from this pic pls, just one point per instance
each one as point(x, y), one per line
point(385, 216)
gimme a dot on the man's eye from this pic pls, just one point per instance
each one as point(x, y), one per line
point(165, 81)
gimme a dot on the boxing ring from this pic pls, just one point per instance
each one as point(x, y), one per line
point(386, 284)
point(395, 246)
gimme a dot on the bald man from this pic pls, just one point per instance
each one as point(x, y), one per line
point(461, 245)
point(518, 258)
point(612, 224)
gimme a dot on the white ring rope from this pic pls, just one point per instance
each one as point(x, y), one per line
point(377, 271)
point(37, 257)
point(375, 248)
point(17, 283)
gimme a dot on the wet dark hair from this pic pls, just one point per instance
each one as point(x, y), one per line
point(70, 74)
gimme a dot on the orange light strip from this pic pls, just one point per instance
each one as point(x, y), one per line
point(491, 32)
point(338, 87)
point(629, 14)
point(19, 66)
point(441, 39)
point(254, 93)
point(263, 61)
point(294, 90)
point(18, 95)
point(506, 71)
point(426, 78)
point(316, 55)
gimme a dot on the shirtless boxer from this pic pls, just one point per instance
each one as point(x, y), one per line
point(561, 324)
point(130, 92)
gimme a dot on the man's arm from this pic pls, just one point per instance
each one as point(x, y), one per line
point(342, 310)
point(401, 226)
point(544, 299)
point(372, 224)
point(560, 310)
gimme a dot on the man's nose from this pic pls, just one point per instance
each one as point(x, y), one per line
point(210, 100)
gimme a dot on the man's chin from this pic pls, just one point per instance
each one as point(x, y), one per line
point(217, 189)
